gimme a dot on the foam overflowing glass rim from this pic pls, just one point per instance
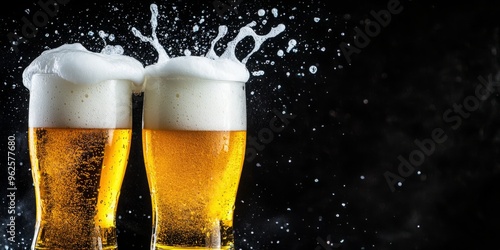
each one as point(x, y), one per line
point(76, 64)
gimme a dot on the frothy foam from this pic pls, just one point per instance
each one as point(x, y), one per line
point(198, 92)
point(71, 87)
point(181, 104)
point(76, 64)
point(187, 92)
point(58, 103)
point(196, 67)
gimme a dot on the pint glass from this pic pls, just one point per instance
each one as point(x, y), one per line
point(194, 136)
point(79, 140)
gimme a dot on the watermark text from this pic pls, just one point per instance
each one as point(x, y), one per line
point(40, 19)
point(11, 188)
point(381, 19)
point(266, 135)
point(454, 117)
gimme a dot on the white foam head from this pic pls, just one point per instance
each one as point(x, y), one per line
point(195, 93)
point(199, 68)
point(71, 87)
point(58, 103)
point(76, 64)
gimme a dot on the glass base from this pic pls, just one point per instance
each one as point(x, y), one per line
point(97, 239)
point(161, 247)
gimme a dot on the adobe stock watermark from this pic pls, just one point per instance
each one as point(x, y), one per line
point(40, 19)
point(381, 19)
point(453, 116)
point(11, 189)
point(266, 135)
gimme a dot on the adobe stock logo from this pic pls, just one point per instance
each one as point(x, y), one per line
point(266, 135)
point(40, 19)
point(372, 29)
point(454, 117)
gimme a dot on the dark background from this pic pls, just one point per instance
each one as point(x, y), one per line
point(322, 178)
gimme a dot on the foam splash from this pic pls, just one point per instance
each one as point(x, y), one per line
point(110, 49)
point(162, 54)
point(222, 32)
point(259, 40)
point(210, 66)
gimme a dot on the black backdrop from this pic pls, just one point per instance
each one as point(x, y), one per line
point(413, 98)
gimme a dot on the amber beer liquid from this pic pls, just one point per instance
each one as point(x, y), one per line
point(79, 140)
point(78, 175)
point(194, 139)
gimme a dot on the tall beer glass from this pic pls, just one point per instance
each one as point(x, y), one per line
point(79, 139)
point(194, 136)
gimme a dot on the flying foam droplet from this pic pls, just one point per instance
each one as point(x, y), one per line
point(259, 40)
point(153, 40)
point(261, 12)
point(103, 34)
point(222, 32)
point(258, 73)
point(313, 69)
point(291, 44)
point(275, 12)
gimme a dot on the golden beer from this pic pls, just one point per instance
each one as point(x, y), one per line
point(79, 140)
point(77, 175)
point(194, 177)
point(194, 139)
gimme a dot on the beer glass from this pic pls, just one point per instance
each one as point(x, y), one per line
point(79, 140)
point(194, 136)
